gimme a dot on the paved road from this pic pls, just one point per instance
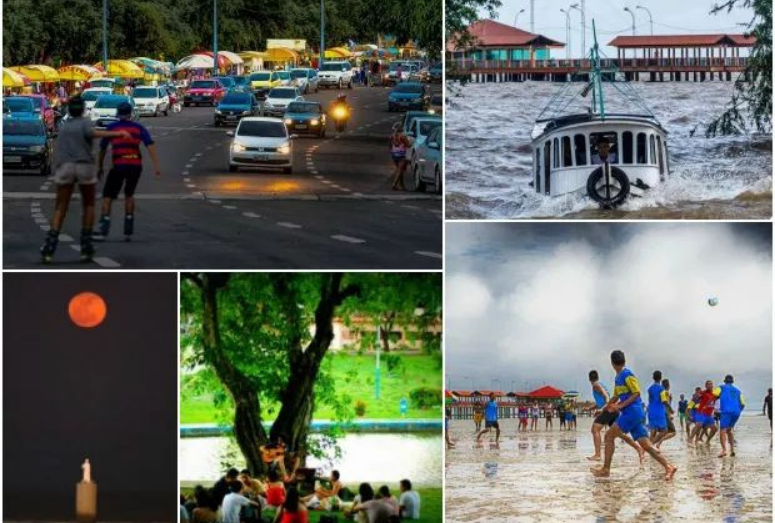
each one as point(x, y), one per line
point(335, 212)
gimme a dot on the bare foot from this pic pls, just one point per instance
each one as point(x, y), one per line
point(641, 456)
point(723, 454)
point(600, 472)
point(594, 458)
point(670, 472)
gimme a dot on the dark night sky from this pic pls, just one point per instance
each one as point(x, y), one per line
point(107, 393)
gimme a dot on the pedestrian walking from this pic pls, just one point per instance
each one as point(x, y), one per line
point(399, 143)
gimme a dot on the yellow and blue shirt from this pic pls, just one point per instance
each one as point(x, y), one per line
point(625, 385)
point(657, 395)
point(731, 400)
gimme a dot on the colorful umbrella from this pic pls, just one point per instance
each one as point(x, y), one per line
point(79, 73)
point(195, 61)
point(14, 79)
point(121, 69)
point(38, 73)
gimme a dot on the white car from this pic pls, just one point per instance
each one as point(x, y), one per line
point(278, 100)
point(419, 130)
point(284, 77)
point(150, 100)
point(261, 142)
point(305, 79)
point(336, 74)
point(90, 96)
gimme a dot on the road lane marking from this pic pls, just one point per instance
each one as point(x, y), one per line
point(251, 215)
point(217, 202)
point(65, 237)
point(289, 225)
point(191, 185)
point(230, 207)
point(348, 239)
point(429, 254)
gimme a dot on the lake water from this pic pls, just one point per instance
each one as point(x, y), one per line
point(489, 162)
point(387, 458)
point(544, 477)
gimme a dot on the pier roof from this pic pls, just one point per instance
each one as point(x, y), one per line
point(489, 33)
point(710, 40)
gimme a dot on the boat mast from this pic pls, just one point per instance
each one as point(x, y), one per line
point(597, 91)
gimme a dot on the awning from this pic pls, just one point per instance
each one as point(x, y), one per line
point(281, 54)
point(122, 69)
point(252, 55)
point(151, 66)
point(38, 73)
point(196, 61)
point(14, 79)
point(224, 59)
point(337, 52)
point(80, 73)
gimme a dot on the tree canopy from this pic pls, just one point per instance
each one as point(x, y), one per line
point(264, 336)
point(69, 31)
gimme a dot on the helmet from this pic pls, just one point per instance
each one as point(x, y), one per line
point(124, 109)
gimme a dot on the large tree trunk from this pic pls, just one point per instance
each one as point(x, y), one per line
point(248, 431)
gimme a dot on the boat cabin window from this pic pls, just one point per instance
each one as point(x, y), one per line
point(653, 148)
point(556, 153)
point(627, 147)
point(547, 164)
point(580, 146)
point(603, 147)
point(538, 169)
point(641, 155)
point(567, 154)
point(661, 155)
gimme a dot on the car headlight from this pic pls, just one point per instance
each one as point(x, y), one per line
point(217, 111)
point(288, 121)
point(431, 111)
point(245, 112)
point(237, 147)
point(36, 148)
point(314, 122)
point(284, 149)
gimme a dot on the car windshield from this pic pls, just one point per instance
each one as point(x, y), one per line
point(109, 102)
point(283, 75)
point(145, 92)
point(332, 66)
point(102, 83)
point(90, 96)
point(19, 105)
point(37, 101)
point(427, 127)
point(394, 66)
point(240, 80)
point(299, 73)
point(282, 93)
point(203, 84)
point(262, 128)
point(409, 88)
point(260, 77)
point(226, 81)
point(304, 107)
point(236, 98)
point(23, 128)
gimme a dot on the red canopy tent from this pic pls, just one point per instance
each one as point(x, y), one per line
point(546, 393)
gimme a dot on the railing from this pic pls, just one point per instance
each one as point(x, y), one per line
point(584, 65)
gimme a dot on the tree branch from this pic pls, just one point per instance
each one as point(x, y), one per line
point(190, 276)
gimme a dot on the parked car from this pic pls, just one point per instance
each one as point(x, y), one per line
point(427, 168)
point(278, 100)
point(20, 107)
point(409, 116)
point(241, 83)
point(395, 77)
point(261, 82)
point(436, 73)
point(90, 96)
point(285, 77)
point(108, 83)
point(336, 74)
point(261, 142)
point(204, 92)
point(408, 95)
point(437, 104)
point(47, 113)
point(227, 82)
point(151, 100)
point(419, 130)
point(235, 106)
point(306, 117)
point(104, 111)
point(27, 145)
point(306, 79)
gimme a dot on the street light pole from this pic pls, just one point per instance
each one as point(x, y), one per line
point(633, 19)
point(517, 16)
point(577, 8)
point(215, 37)
point(532, 16)
point(567, 33)
point(322, 34)
point(105, 35)
point(583, 29)
point(651, 19)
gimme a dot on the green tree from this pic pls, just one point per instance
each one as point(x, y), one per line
point(253, 331)
point(462, 13)
point(752, 97)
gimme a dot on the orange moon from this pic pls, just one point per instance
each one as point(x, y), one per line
point(87, 309)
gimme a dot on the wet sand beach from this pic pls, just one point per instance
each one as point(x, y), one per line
point(544, 477)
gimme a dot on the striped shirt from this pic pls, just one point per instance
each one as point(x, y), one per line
point(126, 151)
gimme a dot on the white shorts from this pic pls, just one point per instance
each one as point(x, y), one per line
point(70, 173)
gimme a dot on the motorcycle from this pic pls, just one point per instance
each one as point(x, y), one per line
point(341, 115)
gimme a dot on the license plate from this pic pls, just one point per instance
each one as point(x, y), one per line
point(231, 117)
point(262, 158)
point(197, 98)
point(12, 159)
point(301, 127)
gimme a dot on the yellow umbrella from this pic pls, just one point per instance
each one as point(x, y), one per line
point(248, 55)
point(14, 79)
point(122, 69)
point(337, 52)
point(79, 73)
point(281, 54)
point(38, 73)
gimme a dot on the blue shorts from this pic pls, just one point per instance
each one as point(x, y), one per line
point(729, 419)
point(657, 422)
point(703, 420)
point(631, 422)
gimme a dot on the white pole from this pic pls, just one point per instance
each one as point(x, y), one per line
point(532, 16)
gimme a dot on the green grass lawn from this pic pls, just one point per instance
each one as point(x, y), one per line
point(355, 377)
point(430, 504)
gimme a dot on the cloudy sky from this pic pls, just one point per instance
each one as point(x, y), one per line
point(611, 19)
point(529, 304)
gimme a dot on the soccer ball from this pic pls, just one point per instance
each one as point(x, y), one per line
point(713, 301)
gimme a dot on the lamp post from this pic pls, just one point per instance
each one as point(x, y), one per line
point(105, 35)
point(532, 16)
point(215, 37)
point(633, 19)
point(651, 19)
point(517, 16)
point(583, 43)
point(568, 46)
point(322, 34)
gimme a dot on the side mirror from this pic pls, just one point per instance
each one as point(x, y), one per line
point(229, 133)
point(294, 136)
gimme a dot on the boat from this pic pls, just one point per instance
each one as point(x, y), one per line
point(579, 146)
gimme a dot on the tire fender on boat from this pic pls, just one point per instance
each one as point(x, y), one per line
point(596, 187)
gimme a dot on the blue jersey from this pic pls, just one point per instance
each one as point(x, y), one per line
point(657, 394)
point(682, 405)
point(731, 400)
point(625, 385)
point(491, 411)
point(600, 400)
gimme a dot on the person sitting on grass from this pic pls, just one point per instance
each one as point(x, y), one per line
point(409, 501)
point(234, 502)
point(206, 510)
point(275, 489)
point(293, 510)
point(376, 510)
point(254, 487)
point(386, 497)
point(221, 487)
point(321, 495)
